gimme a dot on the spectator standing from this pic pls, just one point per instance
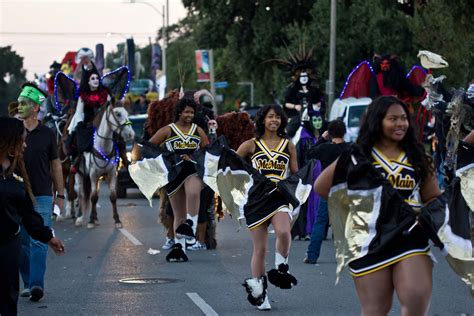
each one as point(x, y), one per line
point(326, 153)
point(44, 169)
point(16, 206)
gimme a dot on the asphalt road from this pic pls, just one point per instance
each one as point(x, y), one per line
point(85, 281)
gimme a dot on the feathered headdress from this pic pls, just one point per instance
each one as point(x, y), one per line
point(298, 62)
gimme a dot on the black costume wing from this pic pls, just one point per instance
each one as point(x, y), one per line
point(65, 92)
point(117, 82)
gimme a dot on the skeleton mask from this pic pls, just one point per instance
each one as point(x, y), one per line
point(304, 78)
point(212, 126)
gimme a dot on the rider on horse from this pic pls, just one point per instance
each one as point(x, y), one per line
point(93, 97)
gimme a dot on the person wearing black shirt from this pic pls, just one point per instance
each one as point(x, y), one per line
point(16, 207)
point(45, 172)
point(326, 153)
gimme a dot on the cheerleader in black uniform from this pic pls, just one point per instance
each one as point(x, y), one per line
point(273, 155)
point(387, 138)
point(183, 137)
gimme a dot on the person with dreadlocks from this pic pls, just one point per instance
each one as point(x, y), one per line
point(305, 107)
point(93, 97)
point(303, 96)
point(16, 208)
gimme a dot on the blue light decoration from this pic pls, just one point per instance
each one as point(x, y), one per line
point(413, 68)
point(102, 154)
point(56, 103)
point(353, 71)
point(114, 72)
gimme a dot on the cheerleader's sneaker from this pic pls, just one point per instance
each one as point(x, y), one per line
point(265, 306)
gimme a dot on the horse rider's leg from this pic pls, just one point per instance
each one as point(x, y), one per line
point(112, 181)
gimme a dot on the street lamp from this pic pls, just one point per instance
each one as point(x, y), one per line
point(163, 32)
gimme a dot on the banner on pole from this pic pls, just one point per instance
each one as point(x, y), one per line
point(202, 66)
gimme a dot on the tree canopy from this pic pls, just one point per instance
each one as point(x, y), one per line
point(12, 75)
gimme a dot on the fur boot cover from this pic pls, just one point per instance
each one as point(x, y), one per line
point(177, 254)
point(185, 230)
point(281, 278)
point(256, 289)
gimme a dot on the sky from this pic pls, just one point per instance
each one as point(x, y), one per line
point(42, 31)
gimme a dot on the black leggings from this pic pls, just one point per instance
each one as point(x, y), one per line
point(9, 276)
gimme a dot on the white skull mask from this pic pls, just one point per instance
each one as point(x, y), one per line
point(212, 126)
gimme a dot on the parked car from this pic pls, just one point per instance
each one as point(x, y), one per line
point(350, 111)
point(124, 181)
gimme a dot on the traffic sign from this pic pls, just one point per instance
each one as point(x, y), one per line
point(221, 84)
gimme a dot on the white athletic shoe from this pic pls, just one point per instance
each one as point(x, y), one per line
point(168, 244)
point(265, 306)
point(198, 246)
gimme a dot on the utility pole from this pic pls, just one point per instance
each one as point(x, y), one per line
point(211, 78)
point(332, 56)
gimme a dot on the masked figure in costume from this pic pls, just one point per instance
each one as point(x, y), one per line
point(93, 97)
point(303, 96)
point(384, 76)
point(308, 136)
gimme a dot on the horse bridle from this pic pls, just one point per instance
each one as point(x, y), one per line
point(112, 126)
point(119, 126)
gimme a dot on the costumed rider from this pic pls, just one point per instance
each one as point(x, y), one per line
point(390, 79)
point(303, 96)
point(93, 97)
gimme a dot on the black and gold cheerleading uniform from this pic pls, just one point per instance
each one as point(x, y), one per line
point(275, 165)
point(272, 163)
point(403, 178)
point(182, 144)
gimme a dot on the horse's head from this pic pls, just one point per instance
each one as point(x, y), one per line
point(117, 118)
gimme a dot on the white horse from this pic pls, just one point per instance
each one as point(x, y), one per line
point(102, 162)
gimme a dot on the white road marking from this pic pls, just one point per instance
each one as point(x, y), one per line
point(206, 308)
point(130, 237)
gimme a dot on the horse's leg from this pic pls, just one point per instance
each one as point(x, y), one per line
point(112, 181)
point(77, 203)
point(94, 198)
point(82, 200)
point(71, 195)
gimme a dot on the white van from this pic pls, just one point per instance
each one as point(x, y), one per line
point(350, 110)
